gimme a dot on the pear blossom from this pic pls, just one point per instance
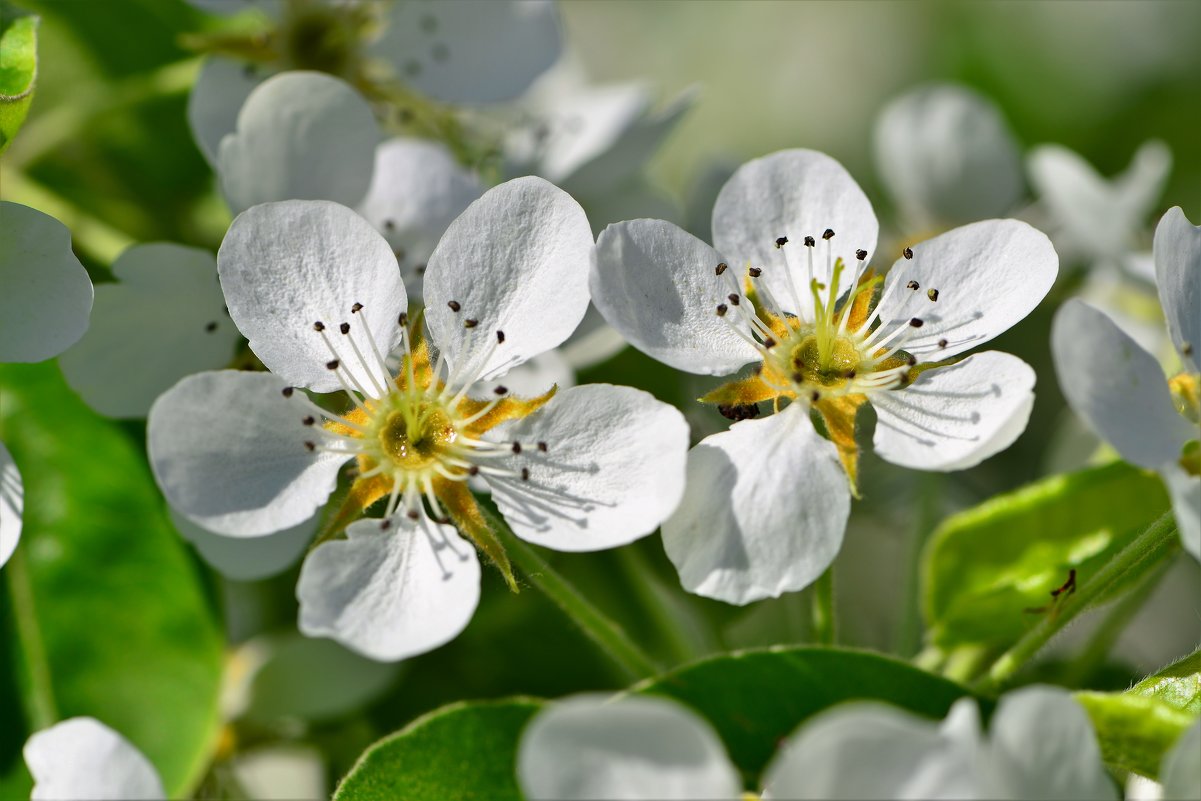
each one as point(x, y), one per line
point(317, 292)
point(788, 289)
point(1119, 389)
point(1041, 746)
point(83, 758)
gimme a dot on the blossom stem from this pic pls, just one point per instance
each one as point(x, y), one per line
point(649, 591)
point(605, 633)
point(824, 627)
point(39, 701)
point(929, 510)
point(1144, 555)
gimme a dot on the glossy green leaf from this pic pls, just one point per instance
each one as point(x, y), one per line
point(465, 751)
point(1178, 685)
point(18, 70)
point(988, 572)
point(1135, 731)
point(108, 616)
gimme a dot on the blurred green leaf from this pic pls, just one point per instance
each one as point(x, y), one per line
point(108, 616)
point(986, 566)
point(464, 751)
point(18, 70)
point(1178, 685)
point(1134, 731)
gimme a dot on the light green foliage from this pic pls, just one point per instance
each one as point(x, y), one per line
point(1178, 685)
point(1134, 731)
point(985, 567)
point(18, 70)
point(109, 617)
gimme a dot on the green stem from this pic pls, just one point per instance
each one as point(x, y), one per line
point(1143, 555)
point(39, 701)
point(650, 598)
point(824, 632)
point(594, 623)
point(929, 510)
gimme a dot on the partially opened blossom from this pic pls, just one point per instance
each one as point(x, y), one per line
point(1120, 390)
point(787, 288)
point(82, 758)
point(317, 292)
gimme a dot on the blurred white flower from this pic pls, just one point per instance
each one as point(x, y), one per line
point(316, 291)
point(1181, 771)
point(1120, 390)
point(83, 758)
point(788, 289)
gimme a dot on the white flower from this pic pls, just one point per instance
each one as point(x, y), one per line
point(316, 291)
point(947, 157)
point(788, 289)
point(1181, 772)
point(12, 504)
point(83, 758)
point(1042, 746)
point(1119, 389)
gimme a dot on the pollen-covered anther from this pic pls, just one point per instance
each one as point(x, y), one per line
point(332, 364)
point(500, 337)
point(781, 242)
point(403, 320)
point(287, 391)
point(721, 268)
point(861, 254)
point(828, 234)
point(769, 343)
point(525, 474)
point(542, 447)
point(356, 308)
point(916, 323)
point(914, 285)
point(722, 309)
point(501, 390)
point(755, 272)
point(733, 298)
point(319, 326)
point(344, 328)
point(932, 294)
point(942, 343)
point(310, 420)
point(470, 323)
point(907, 253)
point(516, 447)
point(453, 305)
point(810, 242)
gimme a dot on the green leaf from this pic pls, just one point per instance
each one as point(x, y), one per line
point(1178, 685)
point(18, 69)
point(756, 698)
point(1134, 731)
point(986, 566)
point(465, 752)
point(108, 616)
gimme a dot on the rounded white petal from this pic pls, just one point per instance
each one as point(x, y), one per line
point(1185, 491)
point(986, 276)
point(417, 191)
point(1177, 252)
point(285, 266)
point(300, 136)
point(1181, 772)
point(793, 194)
point(869, 751)
point(955, 417)
point(657, 285)
point(947, 156)
point(612, 471)
point(12, 504)
point(475, 51)
point(1043, 746)
point(1115, 386)
point(632, 747)
point(83, 758)
point(516, 261)
point(227, 449)
point(764, 510)
point(165, 319)
point(217, 96)
point(45, 294)
point(247, 558)
point(392, 594)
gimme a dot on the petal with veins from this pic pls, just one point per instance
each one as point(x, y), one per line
point(1177, 253)
point(247, 558)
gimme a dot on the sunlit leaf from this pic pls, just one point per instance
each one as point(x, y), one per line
point(1134, 731)
point(1178, 685)
point(18, 69)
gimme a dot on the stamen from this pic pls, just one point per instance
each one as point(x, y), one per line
point(721, 268)
point(932, 294)
point(907, 253)
point(454, 305)
point(781, 242)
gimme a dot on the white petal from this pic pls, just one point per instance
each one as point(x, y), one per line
point(12, 504)
point(612, 471)
point(228, 451)
point(955, 417)
point(478, 51)
point(247, 558)
point(83, 758)
point(516, 261)
point(285, 266)
point(867, 751)
point(793, 194)
point(764, 510)
point(657, 285)
point(1177, 252)
point(1115, 386)
point(1185, 491)
point(45, 294)
point(987, 277)
point(300, 136)
point(164, 320)
point(1181, 773)
point(1043, 746)
point(947, 156)
point(389, 595)
point(217, 96)
point(632, 747)
point(417, 191)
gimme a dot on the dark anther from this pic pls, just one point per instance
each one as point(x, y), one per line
point(419, 269)
point(739, 411)
point(816, 396)
point(798, 378)
point(911, 361)
point(319, 326)
point(308, 421)
point(412, 514)
point(470, 323)
point(287, 391)
point(828, 233)
point(389, 225)
point(1187, 349)
point(907, 253)
point(525, 474)
point(211, 327)
point(473, 470)
point(769, 343)
point(755, 272)
point(861, 254)
point(932, 294)
point(311, 446)
point(849, 374)
point(721, 268)
point(914, 285)
point(516, 447)
point(454, 305)
point(403, 319)
point(733, 298)
point(542, 447)
point(344, 328)
point(781, 242)
point(942, 343)
point(332, 364)
point(1068, 586)
point(384, 525)
point(500, 337)
point(444, 520)
point(915, 323)
point(356, 308)
point(810, 241)
point(501, 390)
point(721, 309)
